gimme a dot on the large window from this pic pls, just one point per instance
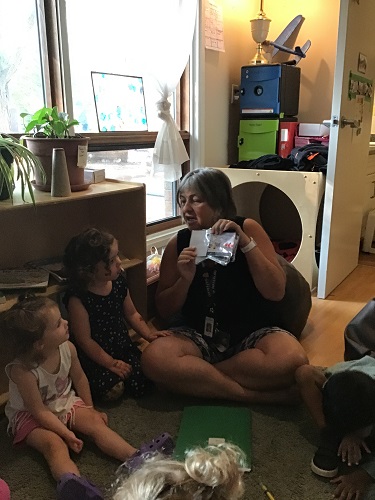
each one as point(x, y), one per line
point(59, 46)
point(135, 165)
point(22, 78)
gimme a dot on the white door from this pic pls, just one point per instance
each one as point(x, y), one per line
point(348, 149)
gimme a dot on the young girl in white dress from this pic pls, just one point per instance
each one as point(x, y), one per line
point(44, 410)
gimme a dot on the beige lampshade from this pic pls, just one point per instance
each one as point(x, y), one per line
point(259, 29)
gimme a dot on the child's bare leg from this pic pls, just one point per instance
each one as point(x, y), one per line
point(90, 423)
point(55, 451)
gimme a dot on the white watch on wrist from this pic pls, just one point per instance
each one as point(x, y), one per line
point(247, 248)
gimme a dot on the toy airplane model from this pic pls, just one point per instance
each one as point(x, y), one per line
point(299, 52)
point(278, 44)
point(259, 31)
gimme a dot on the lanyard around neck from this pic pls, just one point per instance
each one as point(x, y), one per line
point(210, 285)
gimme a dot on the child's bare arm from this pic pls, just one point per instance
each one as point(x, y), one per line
point(29, 391)
point(138, 324)
point(80, 382)
point(310, 380)
point(80, 325)
point(79, 379)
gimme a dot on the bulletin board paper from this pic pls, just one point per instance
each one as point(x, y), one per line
point(214, 27)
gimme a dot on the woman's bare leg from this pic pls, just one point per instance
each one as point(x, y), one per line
point(270, 365)
point(176, 363)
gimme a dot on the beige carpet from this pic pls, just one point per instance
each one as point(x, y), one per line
point(283, 444)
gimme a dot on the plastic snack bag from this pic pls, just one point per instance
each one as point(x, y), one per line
point(220, 248)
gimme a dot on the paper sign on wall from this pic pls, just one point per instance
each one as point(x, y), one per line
point(214, 31)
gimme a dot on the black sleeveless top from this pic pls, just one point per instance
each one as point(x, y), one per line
point(239, 308)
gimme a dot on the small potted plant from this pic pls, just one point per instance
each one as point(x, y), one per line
point(47, 129)
point(17, 162)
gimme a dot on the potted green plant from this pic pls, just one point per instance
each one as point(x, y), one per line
point(17, 162)
point(47, 129)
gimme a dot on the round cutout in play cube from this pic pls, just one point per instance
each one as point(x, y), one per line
point(288, 205)
point(276, 213)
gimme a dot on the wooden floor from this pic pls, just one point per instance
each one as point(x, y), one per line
point(323, 336)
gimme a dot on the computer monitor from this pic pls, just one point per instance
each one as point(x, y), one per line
point(119, 102)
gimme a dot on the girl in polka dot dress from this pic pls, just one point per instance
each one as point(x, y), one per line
point(99, 307)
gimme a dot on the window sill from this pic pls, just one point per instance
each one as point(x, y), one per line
point(152, 279)
point(161, 238)
point(125, 138)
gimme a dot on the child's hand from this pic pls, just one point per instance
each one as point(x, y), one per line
point(122, 369)
point(73, 442)
point(158, 333)
point(350, 449)
point(352, 486)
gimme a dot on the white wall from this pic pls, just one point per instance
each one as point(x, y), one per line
point(221, 119)
point(221, 70)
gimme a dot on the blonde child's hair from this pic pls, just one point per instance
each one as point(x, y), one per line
point(210, 473)
point(23, 325)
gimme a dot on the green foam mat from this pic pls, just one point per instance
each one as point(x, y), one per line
point(203, 425)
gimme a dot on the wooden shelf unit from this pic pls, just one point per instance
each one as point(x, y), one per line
point(33, 233)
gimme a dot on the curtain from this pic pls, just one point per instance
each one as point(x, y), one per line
point(167, 35)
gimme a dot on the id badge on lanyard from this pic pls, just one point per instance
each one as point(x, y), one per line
point(211, 329)
point(209, 326)
point(209, 322)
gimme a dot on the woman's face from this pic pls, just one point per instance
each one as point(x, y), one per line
point(196, 212)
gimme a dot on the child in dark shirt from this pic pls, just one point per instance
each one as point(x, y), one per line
point(341, 400)
point(99, 307)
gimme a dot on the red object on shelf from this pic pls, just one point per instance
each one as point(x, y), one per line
point(287, 249)
point(287, 132)
point(303, 141)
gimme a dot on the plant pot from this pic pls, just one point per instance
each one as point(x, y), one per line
point(75, 152)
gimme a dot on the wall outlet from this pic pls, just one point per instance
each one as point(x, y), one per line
point(235, 93)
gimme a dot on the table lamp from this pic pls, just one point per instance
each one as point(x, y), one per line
point(259, 31)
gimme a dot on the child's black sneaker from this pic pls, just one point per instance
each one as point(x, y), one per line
point(325, 462)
